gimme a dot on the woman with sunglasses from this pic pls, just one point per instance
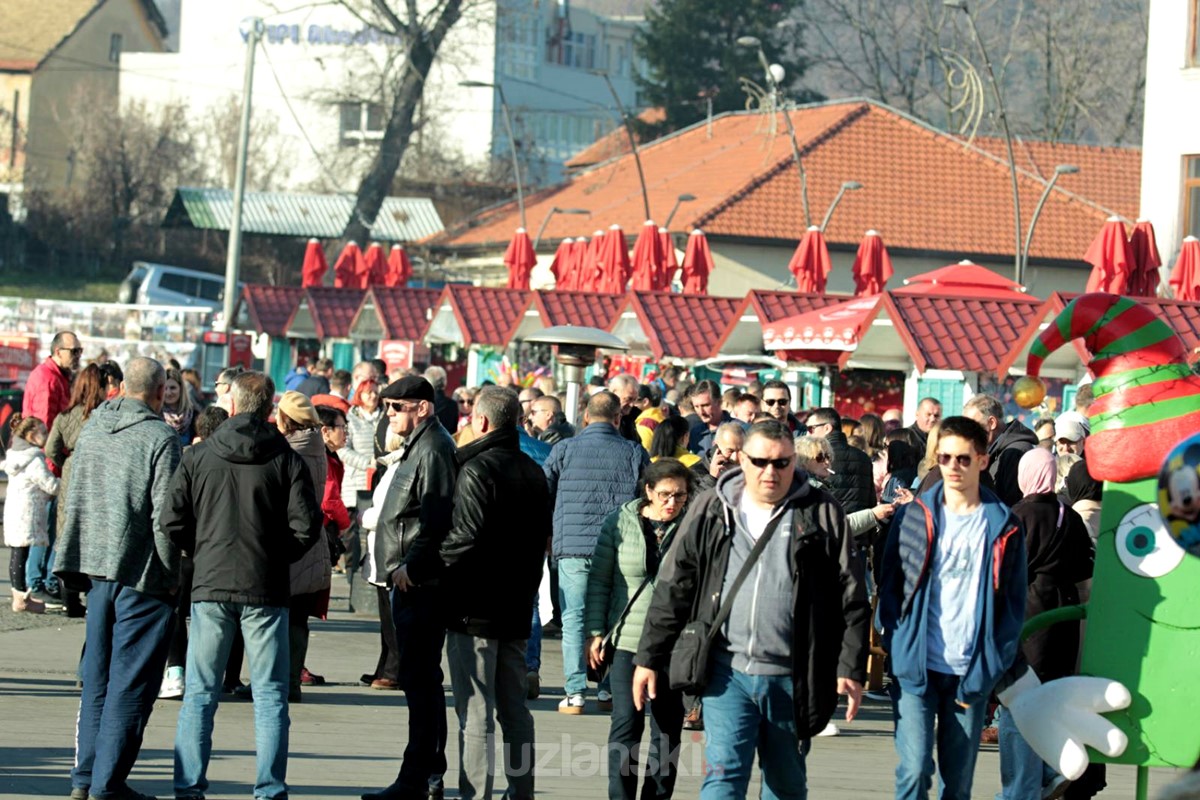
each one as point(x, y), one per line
point(633, 542)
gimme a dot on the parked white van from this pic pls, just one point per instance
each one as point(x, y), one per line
point(164, 285)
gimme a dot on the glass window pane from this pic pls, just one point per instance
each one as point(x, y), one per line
point(1193, 166)
point(375, 121)
point(351, 117)
point(1193, 211)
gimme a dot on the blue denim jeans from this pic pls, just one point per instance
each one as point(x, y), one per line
point(744, 712)
point(265, 631)
point(956, 740)
point(572, 594)
point(533, 647)
point(1022, 771)
point(127, 637)
point(39, 570)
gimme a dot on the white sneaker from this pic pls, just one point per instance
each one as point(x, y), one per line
point(571, 704)
point(604, 700)
point(830, 730)
point(172, 685)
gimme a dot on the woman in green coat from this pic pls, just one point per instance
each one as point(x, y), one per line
point(632, 543)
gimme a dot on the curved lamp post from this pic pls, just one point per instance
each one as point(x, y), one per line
point(683, 198)
point(637, 156)
point(551, 213)
point(848, 186)
point(773, 84)
point(1061, 169)
point(576, 352)
point(512, 142)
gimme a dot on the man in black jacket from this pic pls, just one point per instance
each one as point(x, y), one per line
point(547, 421)
point(790, 645)
point(851, 480)
point(493, 565)
point(1006, 444)
point(243, 506)
point(413, 521)
point(317, 381)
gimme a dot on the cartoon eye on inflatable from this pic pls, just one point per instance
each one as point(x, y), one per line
point(1144, 545)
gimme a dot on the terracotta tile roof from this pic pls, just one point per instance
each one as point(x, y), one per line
point(682, 325)
point(614, 143)
point(403, 313)
point(1108, 176)
point(271, 308)
point(486, 315)
point(924, 189)
point(584, 309)
point(945, 332)
point(333, 310)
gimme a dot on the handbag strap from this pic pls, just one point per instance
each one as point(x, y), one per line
point(625, 611)
point(727, 603)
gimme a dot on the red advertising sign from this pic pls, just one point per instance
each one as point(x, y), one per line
point(18, 356)
point(396, 353)
point(239, 350)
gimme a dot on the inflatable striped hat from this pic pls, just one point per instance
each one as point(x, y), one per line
point(1147, 399)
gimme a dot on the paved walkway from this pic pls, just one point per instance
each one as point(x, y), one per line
point(346, 738)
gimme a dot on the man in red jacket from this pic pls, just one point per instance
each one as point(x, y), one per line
point(48, 389)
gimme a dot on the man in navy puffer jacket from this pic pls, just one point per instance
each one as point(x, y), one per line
point(589, 476)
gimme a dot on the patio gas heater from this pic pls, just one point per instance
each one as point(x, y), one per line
point(575, 351)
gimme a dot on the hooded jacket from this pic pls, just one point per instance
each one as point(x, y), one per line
point(904, 582)
point(829, 608)
point(493, 554)
point(313, 571)
point(120, 471)
point(243, 506)
point(1004, 455)
point(27, 503)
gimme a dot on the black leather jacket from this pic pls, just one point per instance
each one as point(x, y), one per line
point(494, 552)
point(559, 429)
point(852, 481)
point(415, 516)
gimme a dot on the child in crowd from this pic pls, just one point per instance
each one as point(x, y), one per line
point(27, 505)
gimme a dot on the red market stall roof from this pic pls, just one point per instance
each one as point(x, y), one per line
point(394, 313)
point(827, 335)
point(676, 326)
point(268, 309)
point(1183, 317)
point(583, 309)
point(476, 315)
point(744, 332)
point(325, 313)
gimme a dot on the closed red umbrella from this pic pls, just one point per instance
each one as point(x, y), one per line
point(670, 263)
point(810, 263)
point(1146, 260)
point(697, 264)
point(374, 267)
point(520, 260)
point(1111, 259)
point(613, 262)
point(561, 264)
point(647, 259)
point(587, 264)
point(399, 267)
point(312, 272)
point(349, 267)
point(1185, 278)
point(872, 266)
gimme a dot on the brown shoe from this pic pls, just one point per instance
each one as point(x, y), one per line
point(385, 684)
point(989, 736)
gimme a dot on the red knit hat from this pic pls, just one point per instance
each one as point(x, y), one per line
point(1147, 399)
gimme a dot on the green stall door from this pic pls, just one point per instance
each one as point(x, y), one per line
point(343, 355)
point(948, 392)
point(279, 361)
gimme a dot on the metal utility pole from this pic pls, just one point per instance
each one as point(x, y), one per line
point(512, 142)
point(233, 257)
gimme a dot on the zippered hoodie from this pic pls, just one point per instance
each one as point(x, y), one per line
point(120, 470)
point(904, 596)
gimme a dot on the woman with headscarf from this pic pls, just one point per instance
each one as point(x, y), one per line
point(1060, 555)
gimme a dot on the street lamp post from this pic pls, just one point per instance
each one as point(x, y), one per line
point(512, 142)
point(637, 156)
point(551, 213)
point(848, 186)
point(683, 198)
point(1061, 169)
point(773, 84)
point(1008, 142)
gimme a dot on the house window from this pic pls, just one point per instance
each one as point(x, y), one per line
point(360, 122)
point(1191, 196)
point(114, 48)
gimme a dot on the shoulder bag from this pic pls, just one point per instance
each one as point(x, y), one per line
point(597, 674)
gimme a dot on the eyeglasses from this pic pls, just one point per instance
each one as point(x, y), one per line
point(771, 402)
point(463, 402)
point(963, 459)
point(820, 458)
point(763, 463)
point(665, 496)
point(399, 407)
point(75, 351)
point(813, 428)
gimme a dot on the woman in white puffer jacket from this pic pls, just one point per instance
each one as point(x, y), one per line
point(27, 504)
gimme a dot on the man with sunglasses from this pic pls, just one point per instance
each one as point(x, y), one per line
point(790, 646)
point(951, 605)
point(851, 478)
point(48, 387)
point(777, 401)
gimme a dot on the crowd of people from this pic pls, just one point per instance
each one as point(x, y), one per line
point(721, 559)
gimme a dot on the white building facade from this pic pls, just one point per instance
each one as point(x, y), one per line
point(1170, 142)
point(320, 80)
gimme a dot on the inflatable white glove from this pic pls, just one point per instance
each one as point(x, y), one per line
point(1059, 718)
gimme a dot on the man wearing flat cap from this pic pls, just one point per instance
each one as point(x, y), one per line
point(413, 521)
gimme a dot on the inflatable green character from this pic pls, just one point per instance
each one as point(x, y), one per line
point(1142, 643)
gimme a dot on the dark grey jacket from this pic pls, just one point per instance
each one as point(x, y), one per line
point(121, 468)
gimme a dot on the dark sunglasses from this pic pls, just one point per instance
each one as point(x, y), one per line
point(775, 401)
point(75, 351)
point(964, 460)
point(820, 458)
point(763, 463)
point(812, 428)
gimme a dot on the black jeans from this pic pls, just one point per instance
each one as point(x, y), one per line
point(177, 654)
point(17, 560)
point(625, 736)
point(388, 665)
point(421, 637)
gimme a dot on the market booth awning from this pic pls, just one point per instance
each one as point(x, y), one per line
point(761, 308)
point(676, 326)
point(394, 313)
point(476, 315)
point(325, 313)
point(268, 309)
point(827, 335)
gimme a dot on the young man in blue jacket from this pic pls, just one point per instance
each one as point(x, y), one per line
point(951, 606)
